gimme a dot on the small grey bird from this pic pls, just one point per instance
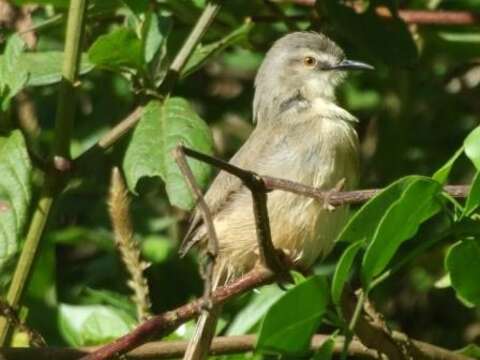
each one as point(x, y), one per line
point(302, 135)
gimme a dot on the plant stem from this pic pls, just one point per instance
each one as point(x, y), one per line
point(71, 61)
point(53, 182)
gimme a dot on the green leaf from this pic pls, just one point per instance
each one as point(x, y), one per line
point(293, 319)
point(45, 68)
point(203, 53)
point(463, 264)
point(118, 49)
point(87, 325)
point(363, 224)
point(441, 175)
point(400, 222)
point(155, 32)
point(15, 193)
point(342, 271)
point(370, 32)
point(471, 350)
point(473, 199)
point(254, 311)
point(472, 147)
point(12, 78)
point(149, 153)
point(325, 352)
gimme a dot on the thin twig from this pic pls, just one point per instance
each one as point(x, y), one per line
point(222, 345)
point(119, 208)
point(163, 324)
point(420, 17)
point(212, 247)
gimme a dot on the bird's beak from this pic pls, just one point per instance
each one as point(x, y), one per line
point(351, 65)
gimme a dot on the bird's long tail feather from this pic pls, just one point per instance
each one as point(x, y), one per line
point(199, 344)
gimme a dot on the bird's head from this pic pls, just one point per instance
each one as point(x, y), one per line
point(306, 65)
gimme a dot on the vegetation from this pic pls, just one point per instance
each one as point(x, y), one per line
point(96, 94)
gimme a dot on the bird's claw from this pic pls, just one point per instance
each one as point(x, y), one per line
point(326, 200)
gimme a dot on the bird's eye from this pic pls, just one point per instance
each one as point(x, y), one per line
point(309, 61)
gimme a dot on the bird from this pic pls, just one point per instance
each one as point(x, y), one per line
point(300, 134)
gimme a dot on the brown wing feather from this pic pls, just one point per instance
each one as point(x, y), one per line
point(222, 188)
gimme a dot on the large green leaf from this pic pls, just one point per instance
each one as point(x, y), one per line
point(87, 325)
point(401, 221)
point(149, 153)
point(441, 175)
point(472, 147)
point(342, 271)
point(12, 78)
point(15, 193)
point(45, 68)
point(292, 320)
point(203, 53)
point(254, 311)
point(154, 35)
point(370, 33)
point(363, 224)
point(463, 264)
point(473, 199)
point(119, 49)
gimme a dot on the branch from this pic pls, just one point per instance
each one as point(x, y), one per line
point(220, 346)
point(420, 17)
point(163, 324)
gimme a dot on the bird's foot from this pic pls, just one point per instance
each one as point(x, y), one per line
point(326, 200)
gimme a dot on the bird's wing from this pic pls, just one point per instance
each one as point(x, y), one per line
point(225, 185)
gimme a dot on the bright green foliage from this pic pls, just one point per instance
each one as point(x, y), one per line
point(325, 352)
point(15, 193)
point(463, 264)
point(472, 147)
point(89, 325)
point(164, 126)
point(292, 320)
point(441, 175)
point(417, 203)
point(120, 49)
point(12, 78)
point(363, 224)
point(44, 68)
point(473, 199)
point(342, 271)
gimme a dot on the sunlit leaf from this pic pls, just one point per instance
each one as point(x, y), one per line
point(293, 319)
point(12, 78)
point(472, 147)
point(155, 32)
point(441, 175)
point(363, 224)
point(15, 193)
point(463, 264)
point(119, 49)
point(342, 271)
point(87, 325)
point(473, 199)
point(149, 153)
point(401, 221)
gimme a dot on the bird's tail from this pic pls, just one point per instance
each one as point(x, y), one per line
point(199, 344)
